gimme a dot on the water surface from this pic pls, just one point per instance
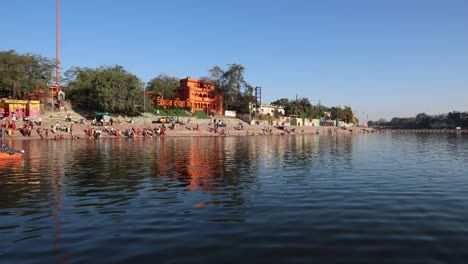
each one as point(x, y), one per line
point(380, 198)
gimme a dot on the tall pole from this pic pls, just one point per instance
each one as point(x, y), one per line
point(57, 54)
point(320, 115)
point(57, 44)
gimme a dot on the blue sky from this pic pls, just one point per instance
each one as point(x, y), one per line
point(383, 58)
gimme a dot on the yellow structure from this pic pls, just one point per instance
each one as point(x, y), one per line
point(19, 108)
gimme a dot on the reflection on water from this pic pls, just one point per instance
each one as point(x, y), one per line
point(367, 198)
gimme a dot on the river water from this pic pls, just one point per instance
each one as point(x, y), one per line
point(376, 198)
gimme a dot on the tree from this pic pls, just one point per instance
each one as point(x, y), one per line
point(301, 107)
point(454, 119)
point(423, 120)
point(216, 77)
point(237, 93)
point(232, 84)
point(163, 85)
point(464, 119)
point(22, 73)
point(380, 122)
point(290, 107)
point(108, 89)
point(347, 115)
point(304, 108)
point(284, 102)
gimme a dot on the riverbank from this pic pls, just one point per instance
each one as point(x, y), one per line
point(52, 128)
point(426, 130)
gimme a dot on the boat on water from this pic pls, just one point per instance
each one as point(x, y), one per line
point(8, 153)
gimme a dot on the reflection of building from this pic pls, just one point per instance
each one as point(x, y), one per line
point(202, 164)
point(20, 108)
point(267, 109)
point(200, 95)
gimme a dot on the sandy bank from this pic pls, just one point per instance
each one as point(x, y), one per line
point(205, 128)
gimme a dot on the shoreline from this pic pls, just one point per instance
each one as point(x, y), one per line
point(205, 129)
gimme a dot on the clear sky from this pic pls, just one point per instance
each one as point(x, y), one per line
point(384, 58)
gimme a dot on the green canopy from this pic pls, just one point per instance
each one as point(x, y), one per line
point(101, 113)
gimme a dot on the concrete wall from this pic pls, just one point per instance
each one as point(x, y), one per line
point(33, 109)
point(230, 113)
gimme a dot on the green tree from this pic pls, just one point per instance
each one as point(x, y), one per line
point(237, 93)
point(423, 120)
point(22, 73)
point(108, 89)
point(347, 115)
point(303, 108)
point(454, 119)
point(163, 85)
point(284, 102)
point(216, 77)
point(464, 119)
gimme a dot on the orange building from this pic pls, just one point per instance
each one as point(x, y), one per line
point(200, 95)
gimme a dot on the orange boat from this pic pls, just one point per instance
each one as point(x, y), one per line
point(8, 163)
point(7, 153)
point(12, 156)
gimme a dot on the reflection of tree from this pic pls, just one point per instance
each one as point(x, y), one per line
point(342, 149)
point(28, 190)
point(22, 179)
point(104, 162)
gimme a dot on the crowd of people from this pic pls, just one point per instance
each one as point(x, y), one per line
point(97, 132)
point(10, 127)
point(112, 127)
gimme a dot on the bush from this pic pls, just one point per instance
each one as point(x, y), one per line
point(200, 114)
point(173, 111)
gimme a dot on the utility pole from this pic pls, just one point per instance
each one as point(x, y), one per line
point(57, 54)
point(320, 116)
point(57, 44)
point(144, 99)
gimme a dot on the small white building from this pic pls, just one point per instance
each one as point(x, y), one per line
point(267, 109)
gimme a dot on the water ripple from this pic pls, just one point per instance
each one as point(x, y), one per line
point(331, 198)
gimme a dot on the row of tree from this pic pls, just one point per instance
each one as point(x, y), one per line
point(303, 108)
point(108, 89)
point(230, 83)
point(23, 73)
point(114, 89)
point(422, 120)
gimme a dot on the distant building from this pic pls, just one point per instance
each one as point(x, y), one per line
point(200, 95)
point(267, 109)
